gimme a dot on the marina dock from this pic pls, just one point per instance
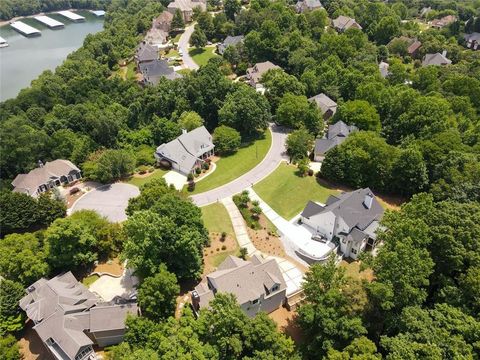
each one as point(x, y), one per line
point(51, 23)
point(3, 42)
point(71, 16)
point(25, 29)
point(98, 13)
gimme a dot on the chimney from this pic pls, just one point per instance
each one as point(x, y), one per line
point(444, 53)
point(40, 163)
point(368, 201)
point(184, 131)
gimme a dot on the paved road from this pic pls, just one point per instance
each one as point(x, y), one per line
point(183, 44)
point(268, 165)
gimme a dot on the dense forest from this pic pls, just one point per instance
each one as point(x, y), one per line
point(419, 138)
point(12, 8)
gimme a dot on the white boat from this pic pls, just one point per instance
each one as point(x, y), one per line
point(3, 42)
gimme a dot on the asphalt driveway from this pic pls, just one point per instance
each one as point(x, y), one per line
point(108, 200)
point(183, 44)
point(269, 164)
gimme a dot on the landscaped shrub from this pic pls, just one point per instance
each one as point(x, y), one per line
point(224, 247)
point(243, 253)
point(191, 186)
point(142, 169)
point(223, 236)
point(310, 172)
point(205, 166)
point(198, 171)
point(190, 177)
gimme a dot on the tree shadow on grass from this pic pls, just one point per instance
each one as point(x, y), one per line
point(195, 52)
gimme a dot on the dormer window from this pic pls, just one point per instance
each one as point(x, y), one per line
point(255, 301)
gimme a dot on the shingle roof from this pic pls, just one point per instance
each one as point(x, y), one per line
point(187, 148)
point(229, 41)
point(303, 5)
point(155, 70)
point(344, 23)
point(29, 183)
point(255, 73)
point(351, 208)
point(63, 309)
point(247, 280)
point(324, 103)
point(312, 208)
point(186, 5)
point(436, 59)
point(146, 52)
point(337, 133)
point(383, 67)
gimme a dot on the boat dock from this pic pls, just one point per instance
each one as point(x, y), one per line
point(3, 42)
point(72, 16)
point(98, 13)
point(51, 23)
point(25, 29)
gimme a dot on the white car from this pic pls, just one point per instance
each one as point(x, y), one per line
point(180, 52)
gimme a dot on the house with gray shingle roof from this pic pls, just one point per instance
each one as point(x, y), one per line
point(46, 177)
point(472, 41)
point(255, 73)
point(69, 319)
point(351, 218)
point(186, 7)
point(229, 41)
point(187, 152)
point(436, 59)
point(153, 71)
point(308, 5)
point(325, 104)
point(145, 53)
point(343, 23)
point(257, 284)
point(336, 134)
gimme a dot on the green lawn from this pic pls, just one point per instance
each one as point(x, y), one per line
point(218, 259)
point(89, 280)
point(201, 56)
point(216, 219)
point(184, 71)
point(288, 193)
point(157, 174)
point(177, 37)
point(231, 167)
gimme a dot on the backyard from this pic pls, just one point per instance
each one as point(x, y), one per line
point(217, 221)
point(201, 56)
point(231, 167)
point(138, 180)
point(287, 193)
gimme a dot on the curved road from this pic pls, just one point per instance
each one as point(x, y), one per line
point(268, 165)
point(183, 44)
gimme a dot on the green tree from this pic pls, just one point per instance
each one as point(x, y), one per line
point(109, 165)
point(23, 258)
point(157, 295)
point(360, 349)
point(409, 172)
point(386, 29)
point(359, 113)
point(299, 143)
point(278, 83)
point(11, 316)
point(330, 315)
point(232, 8)
point(9, 348)
point(226, 139)
point(190, 120)
point(198, 38)
point(295, 111)
point(177, 21)
point(246, 111)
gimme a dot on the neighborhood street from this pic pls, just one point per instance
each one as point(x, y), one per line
point(183, 44)
point(269, 164)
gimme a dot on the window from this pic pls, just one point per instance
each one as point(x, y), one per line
point(274, 288)
point(255, 301)
point(354, 251)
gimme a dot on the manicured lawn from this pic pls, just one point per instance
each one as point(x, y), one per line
point(184, 71)
point(139, 181)
point(201, 56)
point(218, 259)
point(172, 53)
point(231, 167)
point(89, 280)
point(177, 37)
point(288, 193)
point(216, 219)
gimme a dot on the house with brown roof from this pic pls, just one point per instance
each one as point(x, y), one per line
point(69, 319)
point(257, 284)
point(186, 7)
point(255, 73)
point(145, 52)
point(444, 21)
point(46, 177)
point(412, 44)
point(158, 33)
point(343, 23)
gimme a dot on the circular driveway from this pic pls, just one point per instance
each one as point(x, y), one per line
point(108, 200)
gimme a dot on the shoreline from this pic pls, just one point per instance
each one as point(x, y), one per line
point(6, 22)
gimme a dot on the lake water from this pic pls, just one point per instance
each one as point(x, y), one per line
point(26, 58)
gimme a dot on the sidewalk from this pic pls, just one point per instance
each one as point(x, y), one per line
point(292, 274)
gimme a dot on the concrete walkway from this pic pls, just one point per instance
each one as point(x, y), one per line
point(184, 44)
point(291, 235)
point(292, 275)
point(267, 166)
